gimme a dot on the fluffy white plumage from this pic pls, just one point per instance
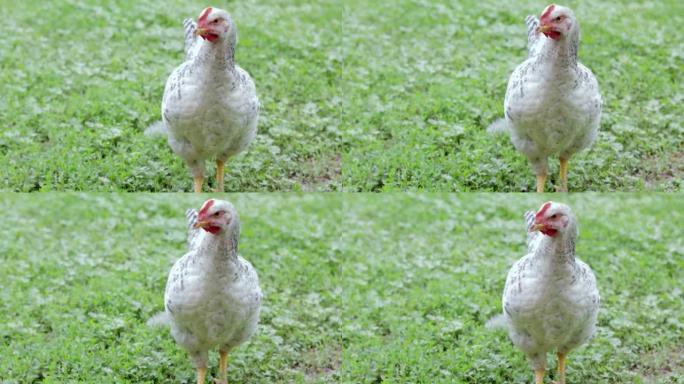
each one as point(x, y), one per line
point(552, 105)
point(212, 296)
point(550, 300)
point(210, 106)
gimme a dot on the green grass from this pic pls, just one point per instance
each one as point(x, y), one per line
point(81, 274)
point(81, 82)
point(391, 288)
point(423, 273)
point(356, 95)
point(429, 77)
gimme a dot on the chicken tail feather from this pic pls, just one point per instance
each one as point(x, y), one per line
point(500, 126)
point(496, 322)
point(193, 233)
point(157, 128)
point(529, 219)
point(532, 24)
point(161, 319)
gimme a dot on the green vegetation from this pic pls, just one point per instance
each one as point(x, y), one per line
point(428, 77)
point(358, 288)
point(81, 82)
point(423, 273)
point(356, 95)
point(81, 274)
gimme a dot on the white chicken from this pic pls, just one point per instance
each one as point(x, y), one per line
point(550, 300)
point(210, 107)
point(552, 104)
point(212, 296)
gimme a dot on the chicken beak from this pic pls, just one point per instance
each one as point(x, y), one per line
point(543, 28)
point(201, 224)
point(537, 227)
point(201, 31)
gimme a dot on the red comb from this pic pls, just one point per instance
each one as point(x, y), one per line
point(203, 16)
point(547, 13)
point(205, 207)
point(542, 211)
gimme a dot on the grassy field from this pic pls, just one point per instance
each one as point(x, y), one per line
point(81, 274)
point(356, 95)
point(358, 288)
point(82, 80)
point(423, 273)
point(428, 77)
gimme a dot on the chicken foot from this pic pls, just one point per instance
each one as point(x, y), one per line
point(223, 368)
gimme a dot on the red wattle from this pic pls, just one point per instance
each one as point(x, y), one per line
point(212, 229)
point(211, 37)
point(555, 35)
point(549, 232)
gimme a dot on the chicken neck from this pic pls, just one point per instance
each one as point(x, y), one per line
point(218, 57)
point(558, 252)
point(221, 250)
point(561, 54)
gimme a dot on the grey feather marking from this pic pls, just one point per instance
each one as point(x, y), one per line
point(193, 233)
point(532, 34)
point(190, 26)
point(531, 236)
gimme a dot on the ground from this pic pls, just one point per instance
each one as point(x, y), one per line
point(355, 95)
point(391, 288)
point(430, 76)
point(423, 273)
point(82, 81)
point(83, 273)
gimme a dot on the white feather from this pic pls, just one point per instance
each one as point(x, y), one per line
point(160, 319)
point(156, 128)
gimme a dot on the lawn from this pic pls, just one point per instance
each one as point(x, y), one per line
point(81, 274)
point(82, 80)
point(428, 77)
point(360, 288)
point(355, 95)
point(423, 273)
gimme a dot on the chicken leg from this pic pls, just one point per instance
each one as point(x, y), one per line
point(201, 373)
point(538, 376)
point(197, 184)
point(541, 180)
point(561, 368)
point(563, 174)
point(220, 164)
point(223, 368)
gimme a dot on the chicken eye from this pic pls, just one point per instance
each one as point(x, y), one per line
point(217, 214)
point(555, 215)
point(215, 21)
point(559, 18)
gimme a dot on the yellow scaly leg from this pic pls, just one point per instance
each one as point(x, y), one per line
point(561, 368)
point(541, 180)
point(201, 373)
point(564, 174)
point(219, 175)
point(223, 368)
point(197, 184)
